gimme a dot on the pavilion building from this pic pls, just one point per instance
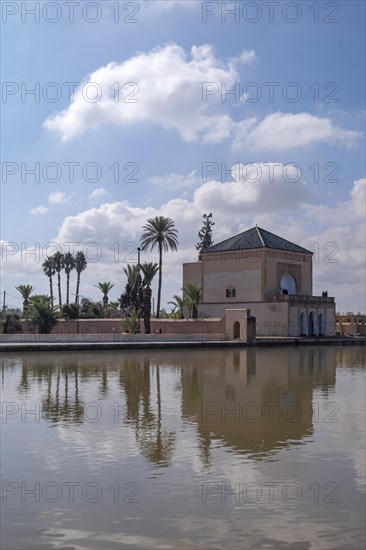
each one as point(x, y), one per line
point(268, 275)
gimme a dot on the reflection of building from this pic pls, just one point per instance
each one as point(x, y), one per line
point(268, 275)
point(256, 401)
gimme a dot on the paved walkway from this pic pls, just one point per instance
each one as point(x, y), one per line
point(49, 342)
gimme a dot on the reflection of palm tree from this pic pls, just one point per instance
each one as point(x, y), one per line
point(57, 408)
point(156, 444)
point(158, 447)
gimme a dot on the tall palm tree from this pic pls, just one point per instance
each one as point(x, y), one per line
point(149, 270)
point(25, 291)
point(105, 288)
point(178, 303)
point(193, 293)
point(49, 270)
point(160, 232)
point(80, 266)
point(69, 264)
point(58, 259)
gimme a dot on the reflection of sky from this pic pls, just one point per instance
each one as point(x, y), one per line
point(170, 512)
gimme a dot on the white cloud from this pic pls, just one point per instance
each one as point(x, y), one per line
point(181, 91)
point(248, 56)
point(39, 210)
point(110, 233)
point(176, 181)
point(98, 194)
point(57, 197)
point(283, 131)
point(163, 86)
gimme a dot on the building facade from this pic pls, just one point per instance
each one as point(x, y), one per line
point(268, 275)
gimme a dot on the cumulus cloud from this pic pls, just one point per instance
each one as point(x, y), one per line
point(98, 194)
point(163, 86)
point(39, 210)
point(284, 131)
point(110, 234)
point(57, 197)
point(180, 91)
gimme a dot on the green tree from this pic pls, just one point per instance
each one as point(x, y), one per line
point(193, 294)
point(149, 270)
point(160, 232)
point(80, 266)
point(105, 288)
point(25, 291)
point(58, 260)
point(131, 322)
point(49, 270)
point(205, 234)
point(69, 264)
point(178, 303)
point(43, 313)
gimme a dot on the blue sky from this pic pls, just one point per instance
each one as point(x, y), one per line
point(176, 66)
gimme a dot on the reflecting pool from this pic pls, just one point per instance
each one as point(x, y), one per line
point(202, 449)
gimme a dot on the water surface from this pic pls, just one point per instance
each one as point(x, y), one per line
point(199, 449)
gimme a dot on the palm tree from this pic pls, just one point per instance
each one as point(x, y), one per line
point(178, 303)
point(43, 313)
point(49, 270)
point(80, 265)
point(105, 288)
point(25, 291)
point(160, 232)
point(193, 293)
point(58, 259)
point(149, 270)
point(69, 264)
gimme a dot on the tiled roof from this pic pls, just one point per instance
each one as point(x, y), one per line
point(256, 238)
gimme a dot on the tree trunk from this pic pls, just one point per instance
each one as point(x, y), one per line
point(51, 290)
point(67, 287)
point(59, 288)
point(160, 278)
point(77, 290)
point(147, 309)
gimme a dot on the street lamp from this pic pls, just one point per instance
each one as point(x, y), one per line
point(138, 283)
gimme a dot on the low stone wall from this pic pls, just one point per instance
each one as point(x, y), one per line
point(214, 329)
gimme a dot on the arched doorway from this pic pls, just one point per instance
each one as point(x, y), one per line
point(312, 328)
point(288, 282)
point(321, 324)
point(236, 329)
point(303, 331)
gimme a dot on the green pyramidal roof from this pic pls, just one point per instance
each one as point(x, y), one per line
point(256, 238)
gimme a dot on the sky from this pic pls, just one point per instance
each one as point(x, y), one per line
point(117, 112)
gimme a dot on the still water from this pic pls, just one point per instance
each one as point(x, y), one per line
point(206, 449)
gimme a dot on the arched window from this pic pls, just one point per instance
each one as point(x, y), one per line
point(303, 331)
point(312, 325)
point(236, 330)
point(321, 324)
point(288, 282)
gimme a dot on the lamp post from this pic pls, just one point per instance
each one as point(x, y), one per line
point(138, 284)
